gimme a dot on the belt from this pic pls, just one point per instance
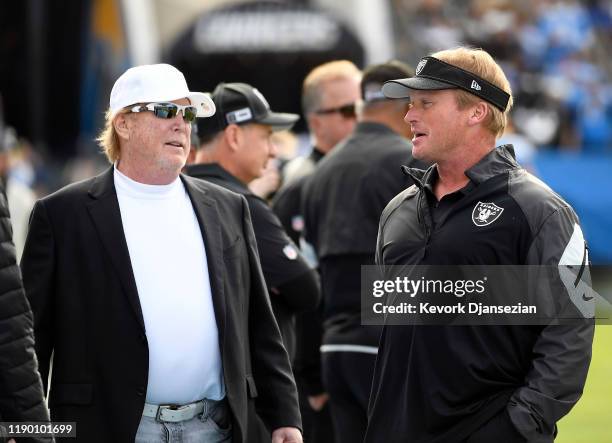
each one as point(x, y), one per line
point(176, 413)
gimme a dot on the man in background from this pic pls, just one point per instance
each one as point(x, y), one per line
point(235, 149)
point(343, 200)
point(330, 93)
point(21, 390)
point(19, 194)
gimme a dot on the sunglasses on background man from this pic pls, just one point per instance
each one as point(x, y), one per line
point(347, 111)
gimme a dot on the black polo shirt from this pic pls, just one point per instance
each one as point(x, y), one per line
point(440, 209)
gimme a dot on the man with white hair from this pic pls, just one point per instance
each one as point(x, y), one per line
point(147, 290)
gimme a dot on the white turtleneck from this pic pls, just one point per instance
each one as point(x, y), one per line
point(168, 259)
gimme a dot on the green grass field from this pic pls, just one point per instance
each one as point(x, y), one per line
point(591, 419)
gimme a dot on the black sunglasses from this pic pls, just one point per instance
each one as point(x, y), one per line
point(168, 110)
point(347, 111)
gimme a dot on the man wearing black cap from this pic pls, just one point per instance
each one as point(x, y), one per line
point(342, 203)
point(469, 383)
point(235, 147)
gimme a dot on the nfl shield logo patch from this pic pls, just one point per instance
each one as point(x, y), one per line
point(486, 213)
point(290, 252)
point(297, 223)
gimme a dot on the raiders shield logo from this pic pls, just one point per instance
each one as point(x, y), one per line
point(486, 213)
point(420, 66)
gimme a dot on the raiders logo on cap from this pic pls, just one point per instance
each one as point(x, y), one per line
point(420, 66)
point(486, 213)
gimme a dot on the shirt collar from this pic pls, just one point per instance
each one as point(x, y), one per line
point(496, 162)
point(316, 154)
point(432, 177)
point(500, 160)
point(203, 170)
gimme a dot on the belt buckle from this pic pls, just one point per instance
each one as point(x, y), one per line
point(169, 407)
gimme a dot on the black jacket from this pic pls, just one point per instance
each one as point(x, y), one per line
point(287, 205)
point(21, 392)
point(342, 203)
point(292, 284)
point(287, 202)
point(79, 280)
point(454, 379)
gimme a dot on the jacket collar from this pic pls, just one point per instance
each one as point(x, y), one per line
point(373, 128)
point(103, 184)
point(215, 171)
point(316, 154)
point(206, 211)
point(106, 215)
point(498, 161)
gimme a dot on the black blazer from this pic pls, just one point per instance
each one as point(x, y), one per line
point(79, 281)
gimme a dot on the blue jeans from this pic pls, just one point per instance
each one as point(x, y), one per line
point(212, 426)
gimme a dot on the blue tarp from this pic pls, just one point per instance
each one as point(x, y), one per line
point(585, 182)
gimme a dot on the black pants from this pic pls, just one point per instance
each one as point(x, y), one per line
point(499, 430)
point(317, 425)
point(347, 377)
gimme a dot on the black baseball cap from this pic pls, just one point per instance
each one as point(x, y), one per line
point(435, 74)
point(375, 76)
point(240, 103)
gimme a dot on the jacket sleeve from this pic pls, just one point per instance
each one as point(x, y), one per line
point(21, 392)
point(287, 273)
point(276, 402)
point(562, 352)
point(301, 293)
point(307, 364)
point(37, 266)
point(286, 206)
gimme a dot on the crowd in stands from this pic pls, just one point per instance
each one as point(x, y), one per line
point(556, 54)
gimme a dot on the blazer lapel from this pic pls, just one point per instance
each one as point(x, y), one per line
point(106, 215)
point(208, 217)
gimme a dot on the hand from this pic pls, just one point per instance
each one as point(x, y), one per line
point(268, 183)
point(317, 402)
point(11, 441)
point(287, 435)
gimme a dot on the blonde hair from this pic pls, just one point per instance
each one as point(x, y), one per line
point(108, 138)
point(330, 71)
point(483, 65)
